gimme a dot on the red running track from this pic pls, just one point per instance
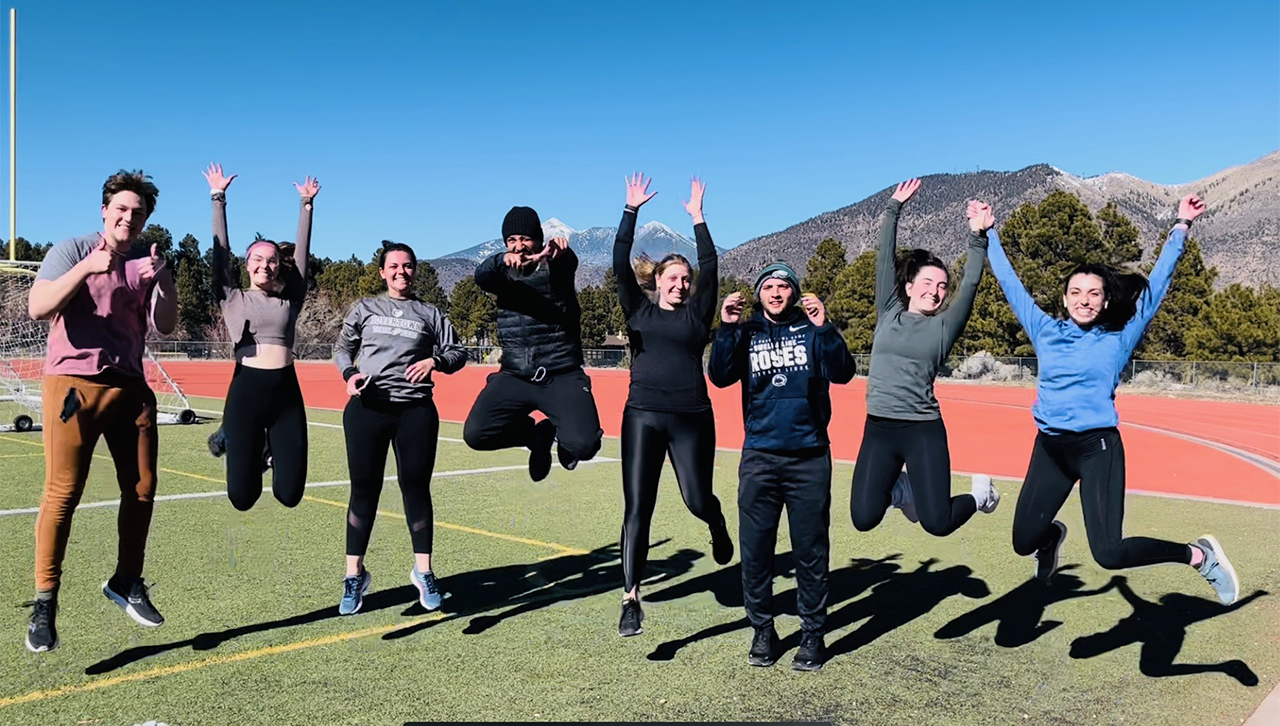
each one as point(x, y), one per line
point(1180, 447)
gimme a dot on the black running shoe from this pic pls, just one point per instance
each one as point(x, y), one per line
point(567, 460)
point(721, 543)
point(42, 632)
point(764, 647)
point(812, 653)
point(131, 595)
point(632, 616)
point(1047, 557)
point(544, 435)
point(218, 443)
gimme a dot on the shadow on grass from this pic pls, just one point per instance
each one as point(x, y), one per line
point(510, 589)
point(1019, 612)
point(1161, 628)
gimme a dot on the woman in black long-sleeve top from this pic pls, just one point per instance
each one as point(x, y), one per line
point(668, 411)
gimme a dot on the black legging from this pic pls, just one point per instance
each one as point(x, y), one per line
point(265, 407)
point(648, 437)
point(1096, 459)
point(411, 430)
point(888, 443)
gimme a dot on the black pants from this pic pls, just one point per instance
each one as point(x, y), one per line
point(411, 430)
point(500, 419)
point(922, 445)
point(1096, 459)
point(648, 438)
point(801, 481)
point(265, 406)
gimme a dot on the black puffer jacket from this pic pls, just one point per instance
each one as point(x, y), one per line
point(539, 319)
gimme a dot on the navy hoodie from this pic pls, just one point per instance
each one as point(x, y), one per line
point(786, 369)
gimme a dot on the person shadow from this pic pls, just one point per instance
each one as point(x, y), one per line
point(898, 600)
point(1018, 613)
point(514, 589)
point(726, 586)
point(1161, 628)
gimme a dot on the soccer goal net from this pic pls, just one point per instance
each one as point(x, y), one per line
point(23, 342)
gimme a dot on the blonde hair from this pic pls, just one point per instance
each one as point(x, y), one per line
point(648, 271)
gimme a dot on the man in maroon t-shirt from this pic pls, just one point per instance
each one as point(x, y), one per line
point(97, 292)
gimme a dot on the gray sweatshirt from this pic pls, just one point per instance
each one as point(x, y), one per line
point(909, 347)
point(381, 337)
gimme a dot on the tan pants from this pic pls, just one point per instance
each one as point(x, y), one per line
point(122, 410)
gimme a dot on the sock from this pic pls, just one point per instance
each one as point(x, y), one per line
point(44, 594)
point(1197, 555)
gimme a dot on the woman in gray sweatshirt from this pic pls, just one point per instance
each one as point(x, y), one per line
point(914, 334)
point(389, 348)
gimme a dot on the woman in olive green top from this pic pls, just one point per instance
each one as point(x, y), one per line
point(914, 333)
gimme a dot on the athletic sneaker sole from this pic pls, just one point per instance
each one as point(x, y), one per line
point(1224, 563)
point(760, 662)
point(1057, 553)
point(805, 666)
point(45, 649)
point(129, 610)
point(368, 580)
point(422, 592)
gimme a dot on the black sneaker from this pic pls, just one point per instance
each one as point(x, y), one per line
point(1047, 557)
point(131, 596)
point(218, 443)
point(721, 543)
point(544, 435)
point(764, 647)
point(632, 616)
point(566, 459)
point(42, 633)
point(812, 653)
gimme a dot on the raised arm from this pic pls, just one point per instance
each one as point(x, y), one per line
point(1032, 318)
point(218, 183)
point(728, 361)
point(629, 293)
point(1189, 208)
point(956, 316)
point(707, 290)
point(302, 241)
point(887, 250)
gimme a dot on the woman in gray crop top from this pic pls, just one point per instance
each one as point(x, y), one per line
point(264, 408)
point(914, 334)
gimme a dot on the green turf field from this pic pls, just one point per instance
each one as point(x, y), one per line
point(926, 630)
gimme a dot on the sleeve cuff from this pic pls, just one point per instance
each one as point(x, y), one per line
point(348, 372)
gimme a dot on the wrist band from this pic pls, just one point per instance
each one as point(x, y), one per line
point(1182, 220)
point(630, 208)
point(350, 371)
point(218, 194)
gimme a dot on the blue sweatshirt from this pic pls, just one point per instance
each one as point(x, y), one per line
point(1080, 367)
point(786, 368)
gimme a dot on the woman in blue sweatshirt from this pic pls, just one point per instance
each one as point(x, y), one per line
point(1081, 359)
point(786, 356)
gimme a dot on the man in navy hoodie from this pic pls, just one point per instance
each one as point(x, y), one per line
point(786, 356)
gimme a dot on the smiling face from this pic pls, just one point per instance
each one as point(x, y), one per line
point(521, 244)
point(927, 291)
point(263, 264)
point(397, 271)
point(673, 282)
point(777, 296)
point(1085, 298)
point(123, 217)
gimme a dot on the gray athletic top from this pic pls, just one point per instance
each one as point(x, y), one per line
point(909, 347)
point(381, 337)
point(254, 317)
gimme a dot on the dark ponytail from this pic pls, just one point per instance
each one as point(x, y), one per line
point(1120, 291)
point(908, 265)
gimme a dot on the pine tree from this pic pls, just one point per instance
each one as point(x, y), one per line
point(828, 261)
point(852, 305)
point(473, 312)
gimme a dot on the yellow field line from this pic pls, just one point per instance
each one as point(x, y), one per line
point(560, 549)
point(215, 660)
point(18, 456)
point(178, 472)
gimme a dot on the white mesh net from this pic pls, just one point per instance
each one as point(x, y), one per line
point(22, 350)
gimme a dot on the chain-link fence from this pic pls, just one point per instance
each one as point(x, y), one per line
point(1262, 379)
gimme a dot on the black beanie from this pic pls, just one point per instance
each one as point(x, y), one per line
point(522, 221)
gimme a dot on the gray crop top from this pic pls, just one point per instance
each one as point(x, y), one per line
point(254, 317)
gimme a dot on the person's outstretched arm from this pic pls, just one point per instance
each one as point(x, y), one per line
point(1032, 318)
point(218, 183)
point(302, 241)
point(956, 316)
point(707, 290)
point(1189, 208)
point(887, 249)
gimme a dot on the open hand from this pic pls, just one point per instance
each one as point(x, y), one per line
point(638, 190)
point(309, 188)
point(906, 189)
point(218, 181)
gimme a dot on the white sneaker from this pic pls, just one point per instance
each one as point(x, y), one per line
point(903, 498)
point(985, 494)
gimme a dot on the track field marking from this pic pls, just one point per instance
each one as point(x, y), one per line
point(103, 457)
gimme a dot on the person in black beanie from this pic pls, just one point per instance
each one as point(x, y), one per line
point(540, 331)
point(786, 356)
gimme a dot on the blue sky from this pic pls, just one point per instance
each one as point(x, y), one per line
point(426, 121)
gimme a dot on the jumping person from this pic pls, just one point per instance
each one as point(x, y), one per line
point(786, 357)
point(97, 293)
point(913, 336)
point(1080, 361)
point(668, 411)
point(389, 347)
point(540, 330)
point(264, 402)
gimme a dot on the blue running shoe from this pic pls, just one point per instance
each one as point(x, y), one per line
point(428, 592)
point(1217, 569)
point(353, 590)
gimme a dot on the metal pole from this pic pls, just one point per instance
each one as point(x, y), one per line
point(13, 133)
